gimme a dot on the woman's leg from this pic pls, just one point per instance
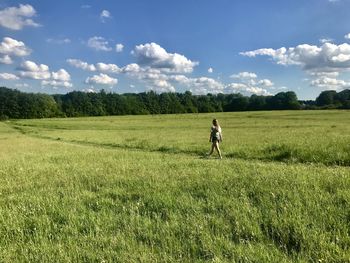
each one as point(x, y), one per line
point(212, 149)
point(218, 149)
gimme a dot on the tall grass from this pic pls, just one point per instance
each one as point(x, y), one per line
point(287, 136)
point(99, 202)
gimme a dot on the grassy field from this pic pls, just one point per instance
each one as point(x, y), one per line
point(138, 189)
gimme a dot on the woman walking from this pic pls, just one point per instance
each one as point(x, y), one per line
point(215, 137)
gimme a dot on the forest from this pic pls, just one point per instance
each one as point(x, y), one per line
point(15, 104)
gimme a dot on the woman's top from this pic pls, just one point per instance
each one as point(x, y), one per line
point(215, 133)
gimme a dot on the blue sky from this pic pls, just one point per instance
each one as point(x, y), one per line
point(223, 46)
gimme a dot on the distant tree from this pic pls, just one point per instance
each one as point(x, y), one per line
point(343, 98)
point(236, 102)
point(188, 102)
point(257, 102)
point(204, 104)
point(283, 101)
point(150, 101)
point(326, 98)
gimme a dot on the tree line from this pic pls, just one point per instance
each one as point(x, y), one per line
point(16, 104)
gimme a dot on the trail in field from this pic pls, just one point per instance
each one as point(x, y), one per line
point(162, 149)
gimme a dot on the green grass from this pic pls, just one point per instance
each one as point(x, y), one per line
point(136, 189)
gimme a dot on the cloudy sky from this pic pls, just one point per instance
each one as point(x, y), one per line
point(222, 46)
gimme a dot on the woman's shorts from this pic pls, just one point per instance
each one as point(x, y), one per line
point(215, 140)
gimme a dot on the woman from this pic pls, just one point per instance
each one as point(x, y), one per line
point(215, 137)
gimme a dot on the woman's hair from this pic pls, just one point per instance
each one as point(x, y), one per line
point(215, 122)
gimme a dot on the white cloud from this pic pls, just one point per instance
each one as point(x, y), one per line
point(324, 74)
point(347, 36)
point(326, 58)
point(201, 85)
point(81, 64)
point(61, 75)
point(107, 68)
point(13, 47)
point(204, 85)
point(265, 83)
point(8, 76)
point(132, 68)
point(161, 85)
point(6, 60)
point(326, 40)
point(153, 55)
point(210, 70)
point(55, 83)
point(244, 75)
point(58, 41)
point(105, 14)
point(246, 89)
point(89, 90)
point(100, 67)
point(248, 83)
point(119, 47)
point(99, 44)
point(330, 83)
point(30, 69)
point(21, 85)
point(16, 18)
point(103, 79)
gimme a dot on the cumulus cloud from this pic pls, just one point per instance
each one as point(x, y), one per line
point(324, 74)
point(161, 85)
point(16, 18)
point(204, 85)
point(89, 90)
point(13, 47)
point(30, 69)
point(347, 36)
point(100, 67)
point(102, 79)
point(246, 89)
point(61, 75)
point(6, 60)
point(58, 41)
point(8, 76)
point(132, 68)
point(330, 83)
point(81, 64)
point(200, 85)
point(323, 63)
point(119, 47)
point(326, 58)
point(248, 83)
point(244, 75)
point(105, 14)
point(99, 44)
point(108, 68)
point(22, 85)
point(55, 83)
point(153, 55)
point(210, 70)
point(325, 40)
point(265, 83)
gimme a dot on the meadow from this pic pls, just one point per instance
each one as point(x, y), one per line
point(140, 188)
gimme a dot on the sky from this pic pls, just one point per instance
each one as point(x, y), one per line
point(204, 46)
